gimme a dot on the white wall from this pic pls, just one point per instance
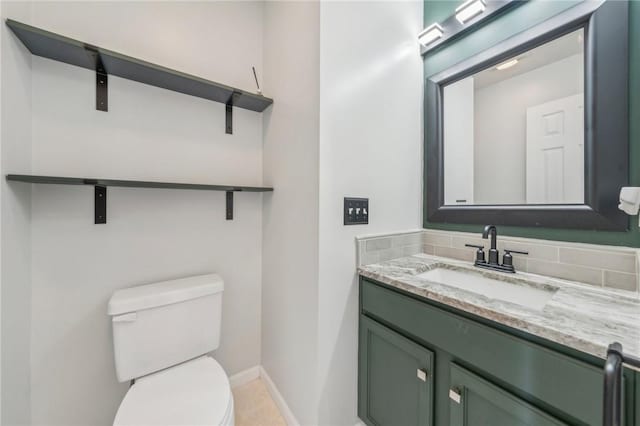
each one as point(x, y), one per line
point(148, 133)
point(369, 108)
point(15, 152)
point(346, 121)
point(370, 146)
point(290, 223)
point(501, 122)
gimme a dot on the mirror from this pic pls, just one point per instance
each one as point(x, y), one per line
point(533, 130)
point(514, 132)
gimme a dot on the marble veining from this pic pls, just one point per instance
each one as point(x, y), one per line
point(578, 315)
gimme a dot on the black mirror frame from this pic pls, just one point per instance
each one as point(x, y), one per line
point(606, 124)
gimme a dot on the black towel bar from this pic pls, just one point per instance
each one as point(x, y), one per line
point(612, 401)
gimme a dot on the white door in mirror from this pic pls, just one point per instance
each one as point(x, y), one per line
point(459, 148)
point(555, 146)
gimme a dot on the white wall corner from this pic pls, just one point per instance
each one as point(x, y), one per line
point(288, 416)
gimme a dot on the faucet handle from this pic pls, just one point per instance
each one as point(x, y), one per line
point(479, 253)
point(507, 259)
point(507, 251)
point(479, 247)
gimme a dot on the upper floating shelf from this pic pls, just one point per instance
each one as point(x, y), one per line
point(64, 49)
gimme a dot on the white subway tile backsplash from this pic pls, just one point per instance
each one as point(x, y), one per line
point(456, 253)
point(459, 242)
point(608, 266)
point(437, 239)
point(369, 257)
point(406, 240)
point(565, 271)
point(599, 259)
point(380, 248)
point(392, 253)
point(536, 251)
point(520, 263)
point(411, 250)
point(620, 280)
point(428, 249)
point(378, 244)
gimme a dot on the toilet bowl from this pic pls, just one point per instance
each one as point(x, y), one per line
point(194, 393)
point(162, 334)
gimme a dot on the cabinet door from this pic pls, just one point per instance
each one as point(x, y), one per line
point(475, 402)
point(395, 378)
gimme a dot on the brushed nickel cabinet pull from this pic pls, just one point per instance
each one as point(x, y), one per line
point(422, 374)
point(455, 395)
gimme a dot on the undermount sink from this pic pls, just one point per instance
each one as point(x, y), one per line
point(520, 294)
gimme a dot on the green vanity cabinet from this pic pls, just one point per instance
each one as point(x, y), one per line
point(477, 402)
point(477, 372)
point(396, 375)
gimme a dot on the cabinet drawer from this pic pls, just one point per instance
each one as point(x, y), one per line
point(395, 378)
point(549, 378)
point(477, 402)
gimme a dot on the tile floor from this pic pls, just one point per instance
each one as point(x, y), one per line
point(255, 407)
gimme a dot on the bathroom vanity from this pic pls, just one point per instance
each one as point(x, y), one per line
point(437, 354)
point(509, 141)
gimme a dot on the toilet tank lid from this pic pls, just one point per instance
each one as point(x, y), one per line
point(164, 293)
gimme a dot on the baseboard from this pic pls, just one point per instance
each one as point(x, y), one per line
point(258, 371)
point(244, 376)
point(288, 416)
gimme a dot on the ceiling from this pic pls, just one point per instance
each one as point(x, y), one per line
point(553, 51)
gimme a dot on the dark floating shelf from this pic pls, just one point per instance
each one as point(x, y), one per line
point(60, 48)
point(60, 180)
point(101, 185)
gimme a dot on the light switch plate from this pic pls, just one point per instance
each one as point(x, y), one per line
point(356, 211)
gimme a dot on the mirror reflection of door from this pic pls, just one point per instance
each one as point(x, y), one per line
point(514, 133)
point(555, 141)
point(459, 158)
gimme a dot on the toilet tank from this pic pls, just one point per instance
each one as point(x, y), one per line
point(159, 325)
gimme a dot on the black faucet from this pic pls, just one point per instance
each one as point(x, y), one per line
point(493, 251)
point(494, 254)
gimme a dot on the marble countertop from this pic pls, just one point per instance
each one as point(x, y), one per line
point(579, 316)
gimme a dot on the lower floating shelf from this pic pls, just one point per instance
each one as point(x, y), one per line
point(101, 185)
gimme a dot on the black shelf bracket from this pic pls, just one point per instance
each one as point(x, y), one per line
point(229, 205)
point(228, 118)
point(229, 112)
point(100, 204)
point(102, 92)
point(102, 79)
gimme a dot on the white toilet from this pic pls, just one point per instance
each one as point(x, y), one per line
point(161, 335)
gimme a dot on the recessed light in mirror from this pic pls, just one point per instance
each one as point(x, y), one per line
point(469, 9)
point(508, 64)
point(430, 34)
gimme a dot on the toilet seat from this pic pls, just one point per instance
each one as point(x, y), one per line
point(196, 392)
